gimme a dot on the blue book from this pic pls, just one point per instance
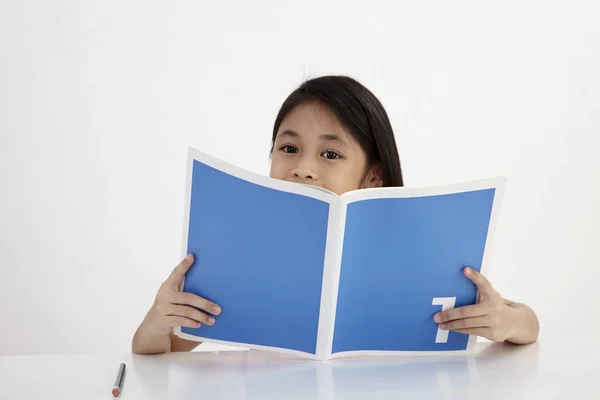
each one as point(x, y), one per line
point(299, 269)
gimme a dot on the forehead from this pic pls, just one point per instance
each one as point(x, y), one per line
point(312, 120)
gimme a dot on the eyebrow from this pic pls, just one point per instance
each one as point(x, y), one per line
point(326, 137)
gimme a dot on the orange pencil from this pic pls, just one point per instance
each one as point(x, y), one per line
point(119, 382)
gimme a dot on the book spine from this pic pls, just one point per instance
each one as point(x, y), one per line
point(335, 270)
point(329, 284)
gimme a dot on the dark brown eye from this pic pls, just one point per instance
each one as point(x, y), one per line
point(289, 149)
point(332, 155)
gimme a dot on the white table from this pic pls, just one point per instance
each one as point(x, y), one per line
point(495, 371)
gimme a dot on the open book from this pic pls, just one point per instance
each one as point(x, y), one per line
point(302, 270)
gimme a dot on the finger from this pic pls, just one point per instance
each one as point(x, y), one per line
point(484, 332)
point(477, 322)
point(173, 321)
point(193, 300)
point(179, 271)
point(475, 310)
point(190, 313)
point(483, 285)
point(488, 333)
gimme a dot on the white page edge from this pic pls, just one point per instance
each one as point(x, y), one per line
point(401, 353)
point(408, 192)
point(262, 180)
point(337, 264)
point(329, 282)
point(241, 345)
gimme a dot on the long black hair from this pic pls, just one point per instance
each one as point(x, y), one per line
point(359, 111)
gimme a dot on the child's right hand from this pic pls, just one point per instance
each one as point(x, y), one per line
point(173, 308)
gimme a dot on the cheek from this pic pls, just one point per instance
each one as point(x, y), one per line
point(344, 180)
point(274, 173)
point(278, 168)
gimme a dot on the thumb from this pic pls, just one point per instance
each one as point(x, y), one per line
point(176, 277)
point(484, 287)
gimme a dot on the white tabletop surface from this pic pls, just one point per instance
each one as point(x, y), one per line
point(495, 371)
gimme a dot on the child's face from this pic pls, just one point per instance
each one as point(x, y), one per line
point(313, 148)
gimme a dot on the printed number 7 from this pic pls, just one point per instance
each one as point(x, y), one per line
point(446, 303)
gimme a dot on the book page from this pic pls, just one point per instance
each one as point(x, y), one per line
point(402, 261)
point(259, 253)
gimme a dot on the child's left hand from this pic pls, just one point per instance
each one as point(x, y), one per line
point(491, 317)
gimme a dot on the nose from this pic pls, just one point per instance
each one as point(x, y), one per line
point(305, 171)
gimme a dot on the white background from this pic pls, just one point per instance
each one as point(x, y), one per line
point(99, 101)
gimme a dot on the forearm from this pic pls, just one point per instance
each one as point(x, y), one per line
point(525, 326)
point(145, 343)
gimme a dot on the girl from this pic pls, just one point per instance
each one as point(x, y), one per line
point(334, 133)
